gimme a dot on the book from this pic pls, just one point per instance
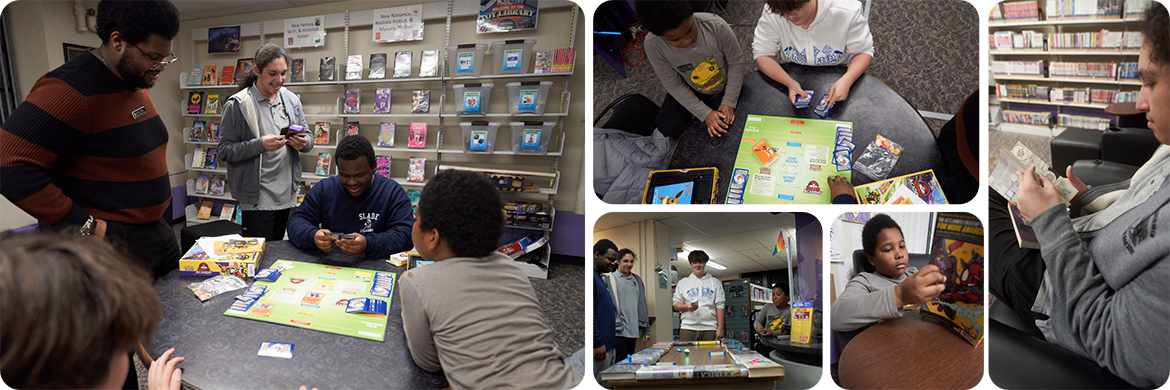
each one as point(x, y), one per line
point(210, 74)
point(204, 210)
point(679, 193)
point(957, 251)
point(197, 129)
point(244, 67)
point(353, 67)
point(212, 106)
point(386, 134)
point(217, 185)
point(298, 70)
point(1003, 178)
point(802, 312)
point(402, 61)
point(637, 359)
point(757, 365)
point(720, 371)
point(413, 195)
point(213, 132)
point(383, 166)
point(211, 158)
point(378, 66)
point(664, 372)
point(543, 62)
point(352, 128)
point(562, 60)
point(321, 133)
point(429, 65)
point(915, 188)
point(228, 75)
point(1025, 235)
point(301, 190)
point(201, 184)
point(353, 101)
point(382, 100)
point(195, 103)
point(197, 158)
point(619, 372)
point(324, 160)
point(327, 65)
point(416, 169)
point(418, 136)
point(228, 210)
point(420, 102)
point(196, 75)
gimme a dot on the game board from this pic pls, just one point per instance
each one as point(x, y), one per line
point(804, 151)
point(292, 305)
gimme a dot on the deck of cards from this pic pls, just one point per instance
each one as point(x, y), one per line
point(383, 284)
point(738, 182)
point(268, 274)
point(824, 107)
point(806, 100)
point(338, 236)
point(366, 305)
point(844, 148)
point(276, 350)
point(246, 300)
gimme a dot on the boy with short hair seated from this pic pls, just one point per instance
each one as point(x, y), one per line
point(698, 60)
point(473, 313)
point(74, 309)
point(873, 297)
point(813, 33)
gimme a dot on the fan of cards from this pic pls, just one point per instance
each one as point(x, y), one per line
point(246, 300)
point(844, 148)
point(338, 236)
point(383, 284)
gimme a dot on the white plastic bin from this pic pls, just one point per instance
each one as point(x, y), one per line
point(472, 99)
point(531, 137)
point(512, 56)
point(479, 136)
point(466, 60)
point(527, 97)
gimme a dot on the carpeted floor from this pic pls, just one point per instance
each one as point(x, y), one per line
point(926, 50)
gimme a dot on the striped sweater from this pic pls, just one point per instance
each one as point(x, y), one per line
point(74, 148)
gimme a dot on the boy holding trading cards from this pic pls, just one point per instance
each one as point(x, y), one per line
point(875, 296)
point(813, 33)
point(698, 60)
point(501, 340)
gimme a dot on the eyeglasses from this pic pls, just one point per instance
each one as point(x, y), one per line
point(158, 64)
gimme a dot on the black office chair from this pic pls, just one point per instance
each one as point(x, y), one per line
point(632, 113)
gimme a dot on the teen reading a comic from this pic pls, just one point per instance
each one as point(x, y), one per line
point(264, 166)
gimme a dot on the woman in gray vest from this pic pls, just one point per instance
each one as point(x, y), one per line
point(263, 166)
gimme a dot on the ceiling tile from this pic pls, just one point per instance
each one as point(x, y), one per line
point(681, 232)
point(610, 221)
point(712, 224)
point(712, 247)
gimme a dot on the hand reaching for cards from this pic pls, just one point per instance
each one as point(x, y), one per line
point(839, 185)
point(795, 91)
point(1035, 196)
point(163, 375)
point(715, 123)
point(839, 91)
point(353, 246)
point(272, 142)
point(919, 288)
point(323, 240)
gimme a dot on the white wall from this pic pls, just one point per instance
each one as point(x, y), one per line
point(649, 240)
point(916, 229)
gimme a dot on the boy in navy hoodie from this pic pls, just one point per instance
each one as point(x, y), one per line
point(374, 210)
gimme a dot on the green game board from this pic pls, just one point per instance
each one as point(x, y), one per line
point(337, 284)
point(800, 174)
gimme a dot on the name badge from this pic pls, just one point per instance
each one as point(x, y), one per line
point(139, 113)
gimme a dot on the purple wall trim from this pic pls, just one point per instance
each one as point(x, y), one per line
point(25, 229)
point(179, 201)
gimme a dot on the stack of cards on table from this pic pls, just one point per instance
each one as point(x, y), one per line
point(805, 101)
point(366, 305)
point(277, 350)
point(844, 148)
point(824, 107)
point(268, 274)
point(738, 181)
point(244, 301)
point(383, 284)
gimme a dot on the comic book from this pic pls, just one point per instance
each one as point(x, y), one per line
point(353, 101)
point(212, 106)
point(217, 185)
point(416, 169)
point(915, 188)
point(386, 134)
point(382, 100)
point(213, 132)
point(418, 136)
point(227, 76)
point(321, 134)
point(211, 158)
point(197, 129)
point(352, 128)
point(298, 70)
point(378, 66)
point(210, 74)
point(195, 103)
point(383, 167)
point(201, 184)
point(957, 251)
point(324, 160)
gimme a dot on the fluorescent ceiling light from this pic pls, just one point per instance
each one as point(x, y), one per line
point(713, 264)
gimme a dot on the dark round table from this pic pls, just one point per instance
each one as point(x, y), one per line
point(220, 351)
point(872, 106)
point(910, 353)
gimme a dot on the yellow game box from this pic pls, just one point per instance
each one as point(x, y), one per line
point(197, 262)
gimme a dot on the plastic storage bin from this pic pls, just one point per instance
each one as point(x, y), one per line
point(466, 60)
point(527, 97)
point(479, 136)
point(512, 56)
point(531, 137)
point(472, 99)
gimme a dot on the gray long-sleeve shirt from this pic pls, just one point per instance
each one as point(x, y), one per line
point(1107, 291)
point(631, 302)
point(868, 298)
point(769, 313)
point(714, 64)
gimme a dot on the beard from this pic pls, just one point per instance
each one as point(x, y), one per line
point(138, 80)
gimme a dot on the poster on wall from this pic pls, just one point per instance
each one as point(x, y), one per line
point(398, 24)
point(223, 39)
point(308, 31)
point(506, 15)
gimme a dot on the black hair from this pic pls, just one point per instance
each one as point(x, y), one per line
point(604, 245)
point(869, 233)
point(783, 286)
point(136, 20)
point(1157, 33)
point(784, 7)
point(264, 55)
point(465, 208)
point(661, 16)
point(698, 257)
point(353, 146)
point(626, 251)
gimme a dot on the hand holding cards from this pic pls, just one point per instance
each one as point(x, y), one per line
point(338, 236)
point(293, 130)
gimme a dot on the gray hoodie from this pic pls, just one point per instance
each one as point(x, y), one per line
point(868, 298)
point(240, 147)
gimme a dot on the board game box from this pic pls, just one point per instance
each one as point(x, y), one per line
point(315, 296)
point(804, 158)
point(915, 188)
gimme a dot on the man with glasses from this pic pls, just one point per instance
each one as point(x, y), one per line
point(87, 151)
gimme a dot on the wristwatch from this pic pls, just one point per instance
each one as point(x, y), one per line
point(87, 227)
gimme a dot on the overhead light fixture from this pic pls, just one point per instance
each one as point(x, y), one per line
point(713, 264)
